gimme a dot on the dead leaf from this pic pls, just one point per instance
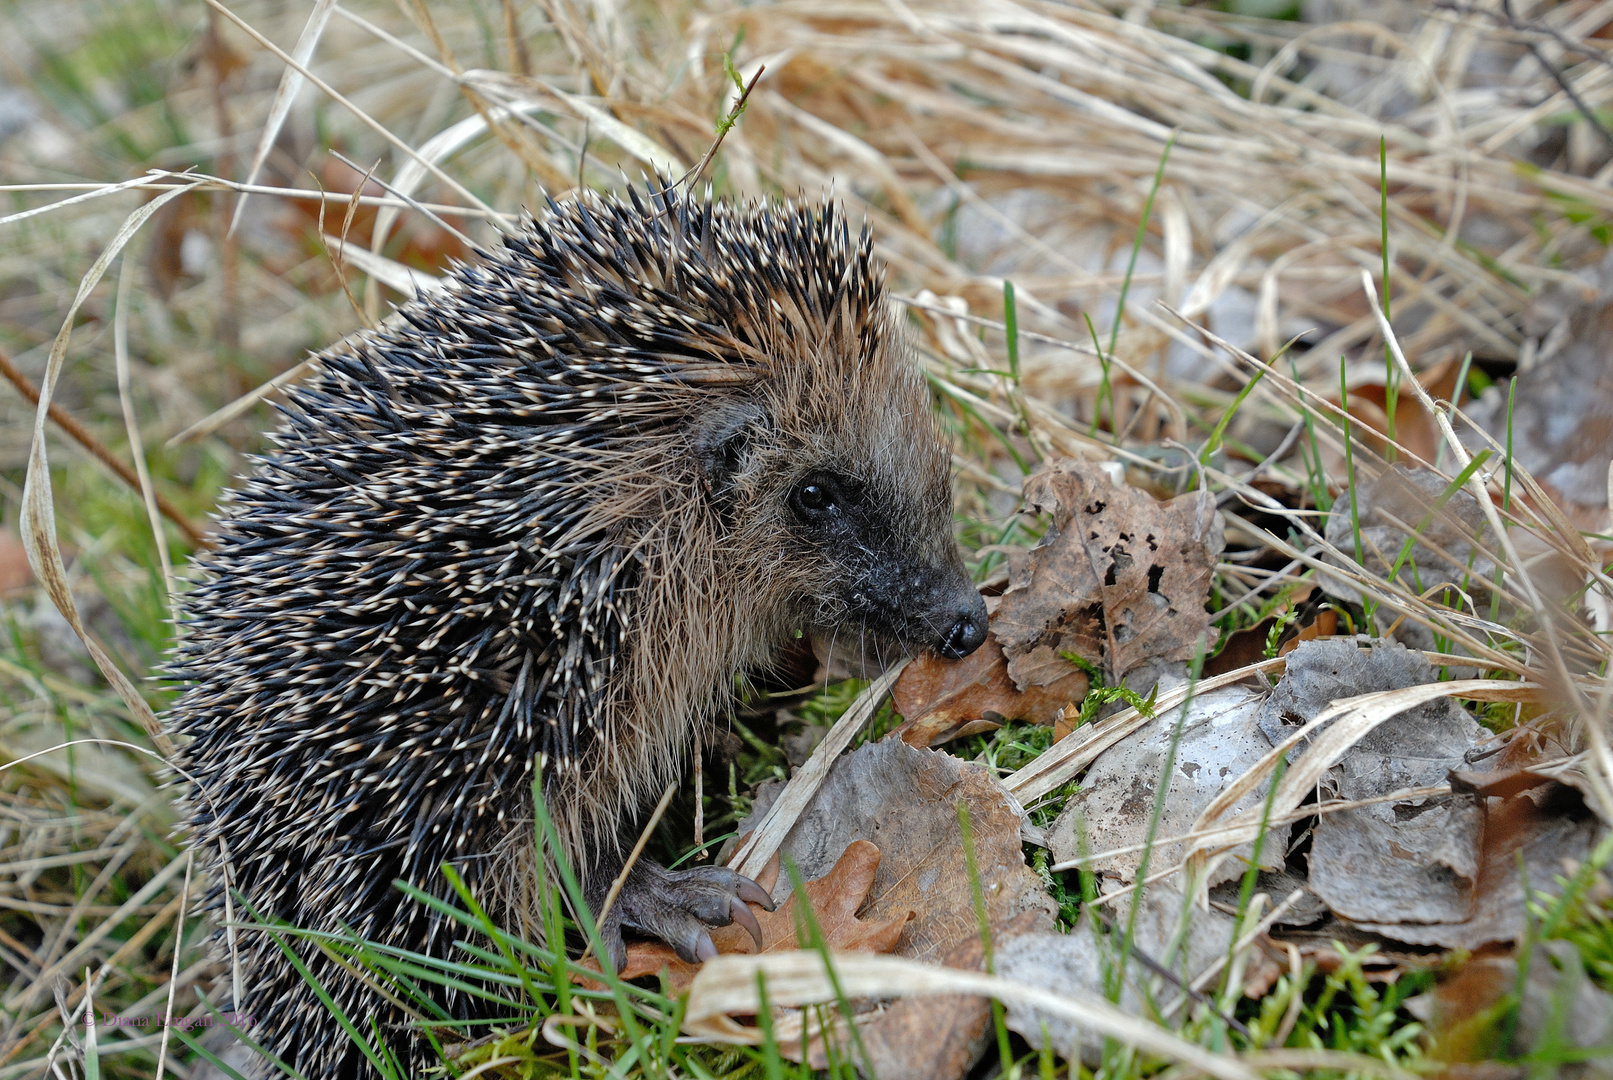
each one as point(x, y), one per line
point(1319, 673)
point(1310, 620)
point(1220, 739)
point(1305, 910)
point(1388, 511)
point(1243, 647)
point(906, 800)
point(1118, 579)
point(1179, 936)
point(1562, 408)
point(1412, 861)
point(1065, 723)
point(835, 898)
point(1550, 828)
point(1561, 1009)
point(1415, 429)
point(1432, 871)
point(949, 699)
point(731, 986)
point(913, 890)
point(1500, 784)
point(1325, 625)
point(939, 1037)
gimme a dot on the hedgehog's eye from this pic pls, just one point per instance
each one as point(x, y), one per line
point(817, 497)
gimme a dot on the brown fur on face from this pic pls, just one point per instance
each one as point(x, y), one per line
point(549, 520)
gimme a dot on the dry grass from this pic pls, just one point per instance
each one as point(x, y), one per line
point(984, 142)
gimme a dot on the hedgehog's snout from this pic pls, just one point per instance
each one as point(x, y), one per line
point(959, 613)
point(935, 608)
point(967, 634)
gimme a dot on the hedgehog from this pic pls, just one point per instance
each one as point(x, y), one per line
point(545, 525)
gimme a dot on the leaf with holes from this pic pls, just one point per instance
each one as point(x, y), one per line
point(1118, 579)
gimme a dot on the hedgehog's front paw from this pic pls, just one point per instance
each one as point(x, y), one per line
point(680, 906)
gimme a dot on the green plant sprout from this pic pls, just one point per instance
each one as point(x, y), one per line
point(1367, 604)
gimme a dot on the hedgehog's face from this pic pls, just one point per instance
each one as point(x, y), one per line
point(854, 518)
point(873, 574)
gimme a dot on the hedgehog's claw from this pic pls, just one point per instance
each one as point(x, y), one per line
point(680, 907)
point(610, 932)
point(744, 918)
point(704, 948)
point(752, 893)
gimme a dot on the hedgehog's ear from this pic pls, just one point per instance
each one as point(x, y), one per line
point(721, 439)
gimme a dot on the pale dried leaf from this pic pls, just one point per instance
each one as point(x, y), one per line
point(753, 854)
point(1219, 739)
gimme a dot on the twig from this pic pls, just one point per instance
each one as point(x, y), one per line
point(1171, 977)
point(1561, 80)
point(723, 128)
point(25, 386)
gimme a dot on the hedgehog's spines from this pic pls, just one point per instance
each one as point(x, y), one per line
point(479, 548)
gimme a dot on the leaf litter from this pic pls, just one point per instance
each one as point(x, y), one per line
point(1395, 843)
point(879, 847)
point(1173, 944)
point(1217, 739)
point(946, 700)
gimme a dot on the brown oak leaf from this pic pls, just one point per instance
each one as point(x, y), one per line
point(1118, 579)
point(943, 700)
point(835, 898)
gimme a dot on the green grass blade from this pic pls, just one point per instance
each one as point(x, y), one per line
point(369, 1052)
point(1137, 242)
point(1160, 793)
point(492, 932)
point(772, 1060)
point(978, 896)
point(1350, 478)
point(1450, 489)
point(1226, 418)
point(817, 940)
point(211, 1058)
point(584, 915)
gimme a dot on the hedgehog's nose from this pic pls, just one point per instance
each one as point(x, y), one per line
point(967, 633)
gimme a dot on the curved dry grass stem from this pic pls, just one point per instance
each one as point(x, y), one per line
point(131, 425)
